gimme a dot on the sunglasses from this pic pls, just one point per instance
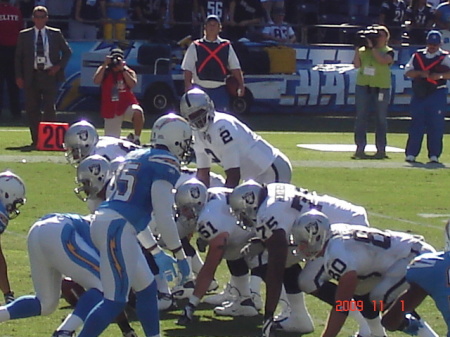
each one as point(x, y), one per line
point(39, 16)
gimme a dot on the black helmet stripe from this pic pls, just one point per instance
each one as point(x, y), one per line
point(187, 100)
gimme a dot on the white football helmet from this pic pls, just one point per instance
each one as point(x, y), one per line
point(245, 201)
point(173, 132)
point(93, 174)
point(191, 197)
point(198, 109)
point(12, 193)
point(79, 140)
point(311, 231)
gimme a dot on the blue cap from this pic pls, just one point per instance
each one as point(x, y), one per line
point(434, 37)
point(212, 17)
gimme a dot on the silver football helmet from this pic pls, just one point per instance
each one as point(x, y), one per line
point(190, 197)
point(311, 231)
point(12, 193)
point(245, 201)
point(93, 173)
point(198, 109)
point(173, 132)
point(79, 140)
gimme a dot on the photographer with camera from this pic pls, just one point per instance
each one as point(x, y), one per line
point(429, 69)
point(373, 58)
point(118, 103)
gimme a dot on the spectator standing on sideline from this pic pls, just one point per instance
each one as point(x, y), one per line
point(85, 20)
point(421, 16)
point(114, 13)
point(392, 15)
point(10, 25)
point(42, 54)
point(429, 70)
point(118, 101)
point(207, 62)
point(442, 15)
point(279, 30)
point(373, 89)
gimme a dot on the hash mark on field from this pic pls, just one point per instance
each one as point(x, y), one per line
point(404, 220)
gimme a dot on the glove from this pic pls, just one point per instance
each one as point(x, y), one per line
point(254, 247)
point(184, 269)
point(165, 264)
point(267, 326)
point(201, 245)
point(412, 325)
point(9, 297)
point(188, 315)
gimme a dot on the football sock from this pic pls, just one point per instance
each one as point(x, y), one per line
point(100, 317)
point(197, 263)
point(364, 329)
point(255, 284)
point(85, 304)
point(147, 310)
point(242, 284)
point(24, 306)
point(375, 326)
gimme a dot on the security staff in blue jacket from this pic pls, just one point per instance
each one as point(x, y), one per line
point(429, 69)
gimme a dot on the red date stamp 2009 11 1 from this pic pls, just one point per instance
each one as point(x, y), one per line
point(359, 305)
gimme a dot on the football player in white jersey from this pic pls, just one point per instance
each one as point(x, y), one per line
point(272, 210)
point(209, 212)
point(82, 140)
point(12, 196)
point(223, 139)
point(369, 264)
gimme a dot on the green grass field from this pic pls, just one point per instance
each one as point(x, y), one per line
point(396, 195)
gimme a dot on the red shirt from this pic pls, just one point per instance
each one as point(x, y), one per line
point(110, 108)
point(11, 23)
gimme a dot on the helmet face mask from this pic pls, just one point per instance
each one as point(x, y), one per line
point(12, 193)
point(93, 174)
point(198, 109)
point(79, 140)
point(310, 232)
point(173, 132)
point(245, 201)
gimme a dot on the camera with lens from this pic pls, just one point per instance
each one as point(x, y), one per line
point(370, 33)
point(115, 61)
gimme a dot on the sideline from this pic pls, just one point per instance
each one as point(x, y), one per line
point(356, 164)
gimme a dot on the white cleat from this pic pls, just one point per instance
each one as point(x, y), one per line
point(228, 294)
point(299, 325)
point(242, 306)
point(165, 301)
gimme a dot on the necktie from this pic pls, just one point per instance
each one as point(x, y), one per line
point(40, 51)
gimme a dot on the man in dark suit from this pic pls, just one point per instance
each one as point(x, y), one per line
point(41, 56)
